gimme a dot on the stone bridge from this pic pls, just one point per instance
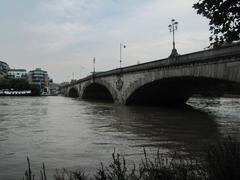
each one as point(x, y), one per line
point(169, 81)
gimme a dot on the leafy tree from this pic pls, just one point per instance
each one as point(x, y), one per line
point(19, 85)
point(224, 18)
point(4, 84)
point(35, 90)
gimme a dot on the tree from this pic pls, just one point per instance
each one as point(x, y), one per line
point(19, 85)
point(224, 18)
point(35, 90)
point(4, 84)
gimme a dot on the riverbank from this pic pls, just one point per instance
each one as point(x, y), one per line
point(18, 87)
point(232, 95)
point(15, 93)
point(225, 95)
point(221, 161)
point(22, 93)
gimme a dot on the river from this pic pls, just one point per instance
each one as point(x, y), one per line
point(73, 133)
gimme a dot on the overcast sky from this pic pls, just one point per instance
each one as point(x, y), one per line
point(63, 36)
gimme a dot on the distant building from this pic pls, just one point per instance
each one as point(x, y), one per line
point(17, 73)
point(39, 77)
point(53, 88)
point(3, 68)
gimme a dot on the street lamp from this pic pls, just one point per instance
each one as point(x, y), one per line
point(73, 76)
point(121, 46)
point(172, 28)
point(94, 61)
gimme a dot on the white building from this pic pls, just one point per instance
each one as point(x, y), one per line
point(17, 73)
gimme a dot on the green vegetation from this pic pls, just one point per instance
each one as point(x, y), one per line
point(224, 19)
point(19, 85)
point(221, 162)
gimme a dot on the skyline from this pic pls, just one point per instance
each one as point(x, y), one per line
point(63, 36)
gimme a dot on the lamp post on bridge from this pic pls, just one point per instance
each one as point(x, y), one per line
point(73, 76)
point(94, 61)
point(121, 46)
point(172, 28)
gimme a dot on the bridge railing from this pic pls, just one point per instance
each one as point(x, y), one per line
point(196, 57)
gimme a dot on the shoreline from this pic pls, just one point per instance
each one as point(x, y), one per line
point(224, 96)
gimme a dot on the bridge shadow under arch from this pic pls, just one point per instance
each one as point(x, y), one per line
point(175, 91)
point(73, 92)
point(159, 128)
point(96, 91)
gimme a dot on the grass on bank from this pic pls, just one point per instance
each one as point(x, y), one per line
point(221, 162)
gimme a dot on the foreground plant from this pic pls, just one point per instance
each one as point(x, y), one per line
point(28, 173)
point(221, 162)
point(65, 174)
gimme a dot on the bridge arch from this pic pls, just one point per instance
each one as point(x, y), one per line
point(73, 92)
point(99, 90)
point(176, 88)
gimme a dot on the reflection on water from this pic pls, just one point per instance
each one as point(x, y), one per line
point(168, 129)
point(71, 133)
